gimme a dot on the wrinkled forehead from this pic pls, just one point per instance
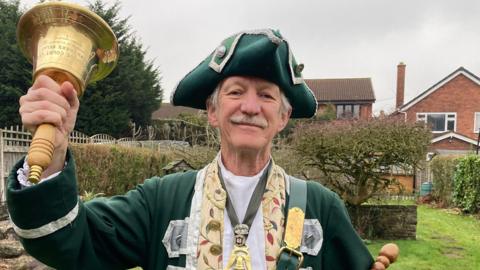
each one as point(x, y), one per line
point(248, 81)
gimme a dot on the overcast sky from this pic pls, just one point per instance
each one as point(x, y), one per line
point(334, 39)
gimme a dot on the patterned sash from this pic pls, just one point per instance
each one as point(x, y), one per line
point(210, 247)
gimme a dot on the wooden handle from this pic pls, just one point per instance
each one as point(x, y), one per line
point(41, 149)
point(388, 255)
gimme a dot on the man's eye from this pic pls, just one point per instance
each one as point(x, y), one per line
point(265, 95)
point(234, 92)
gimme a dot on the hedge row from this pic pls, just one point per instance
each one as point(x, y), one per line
point(466, 193)
point(456, 182)
point(113, 169)
point(443, 168)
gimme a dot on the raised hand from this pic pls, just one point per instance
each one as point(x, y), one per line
point(48, 102)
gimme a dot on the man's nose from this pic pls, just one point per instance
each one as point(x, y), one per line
point(250, 104)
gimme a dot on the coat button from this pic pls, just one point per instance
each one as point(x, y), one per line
point(220, 52)
point(299, 68)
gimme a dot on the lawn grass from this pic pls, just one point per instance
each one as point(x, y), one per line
point(445, 241)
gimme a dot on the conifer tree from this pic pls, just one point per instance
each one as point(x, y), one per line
point(130, 93)
point(15, 71)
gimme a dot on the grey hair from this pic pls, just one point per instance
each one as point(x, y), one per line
point(212, 100)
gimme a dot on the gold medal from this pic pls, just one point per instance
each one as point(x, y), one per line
point(239, 259)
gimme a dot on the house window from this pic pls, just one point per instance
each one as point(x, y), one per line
point(439, 122)
point(348, 111)
point(476, 124)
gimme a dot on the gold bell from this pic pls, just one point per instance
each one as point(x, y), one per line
point(66, 42)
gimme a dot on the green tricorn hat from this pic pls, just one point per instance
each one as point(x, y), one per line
point(260, 53)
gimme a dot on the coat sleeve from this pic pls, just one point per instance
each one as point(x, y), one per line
point(343, 248)
point(62, 232)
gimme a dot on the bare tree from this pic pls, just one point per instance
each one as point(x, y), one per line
point(355, 157)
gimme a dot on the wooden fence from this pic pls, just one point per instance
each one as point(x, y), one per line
point(15, 142)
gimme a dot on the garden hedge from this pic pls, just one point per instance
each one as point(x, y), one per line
point(112, 169)
point(443, 169)
point(466, 192)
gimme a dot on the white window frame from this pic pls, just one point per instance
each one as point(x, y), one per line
point(475, 115)
point(425, 114)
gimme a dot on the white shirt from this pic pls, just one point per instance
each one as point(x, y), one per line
point(240, 190)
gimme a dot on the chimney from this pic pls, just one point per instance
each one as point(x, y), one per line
point(400, 84)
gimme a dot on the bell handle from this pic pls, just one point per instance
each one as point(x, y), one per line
point(41, 149)
point(387, 255)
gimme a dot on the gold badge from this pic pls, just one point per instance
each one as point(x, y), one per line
point(294, 228)
point(239, 259)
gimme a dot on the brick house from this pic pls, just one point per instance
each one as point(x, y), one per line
point(350, 97)
point(451, 107)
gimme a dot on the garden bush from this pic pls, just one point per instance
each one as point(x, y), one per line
point(197, 156)
point(466, 194)
point(112, 169)
point(443, 169)
point(357, 157)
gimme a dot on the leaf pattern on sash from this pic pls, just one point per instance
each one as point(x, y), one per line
point(212, 210)
point(274, 225)
point(211, 224)
point(270, 238)
point(275, 200)
point(273, 215)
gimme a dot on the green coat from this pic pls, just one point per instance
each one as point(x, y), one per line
point(125, 231)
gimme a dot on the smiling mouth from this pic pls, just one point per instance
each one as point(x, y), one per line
point(247, 124)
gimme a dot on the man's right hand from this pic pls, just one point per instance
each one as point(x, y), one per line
point(48, 102)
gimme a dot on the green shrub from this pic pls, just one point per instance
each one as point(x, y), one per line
point(196, 156)
point(112, 170)
point(466, 193)
point(289, 160)
point(443, 169)
point(356, 157)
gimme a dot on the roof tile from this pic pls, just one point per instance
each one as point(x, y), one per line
point(347, 89)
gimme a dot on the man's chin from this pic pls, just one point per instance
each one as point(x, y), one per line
point(248, 148)
point(253, 143)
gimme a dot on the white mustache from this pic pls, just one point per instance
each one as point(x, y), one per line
point(249, 120)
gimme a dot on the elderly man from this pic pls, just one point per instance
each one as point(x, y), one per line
point(242, 211)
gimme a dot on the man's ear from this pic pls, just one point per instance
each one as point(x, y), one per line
point(212, 115)
point(284, 116)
